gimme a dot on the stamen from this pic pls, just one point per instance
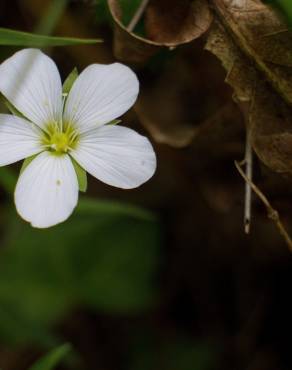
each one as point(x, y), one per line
point(59, 141)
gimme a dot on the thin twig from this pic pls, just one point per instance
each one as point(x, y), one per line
point(272, 213)
point(248, 160)
point(137, 16)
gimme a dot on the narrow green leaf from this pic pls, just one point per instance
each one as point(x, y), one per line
point(81, 176)
point(20, 38)
point(49, 361)
point(26, 162)
point(70, 80)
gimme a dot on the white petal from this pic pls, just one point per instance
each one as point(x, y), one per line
point(117, 156)
point(18, 139)
point(31, 82)
point(47, 191)
point(100, 94)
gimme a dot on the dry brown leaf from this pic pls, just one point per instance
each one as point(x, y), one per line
point(240, 73)
point(246, 36)
point(271, 129)
point(168, 24)
point(173, 22)
point(263, 37)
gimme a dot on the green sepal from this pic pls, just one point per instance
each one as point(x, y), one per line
point(115, 122)
point(11, 107)
point(68, 83)
point(26, 162)
point(81, 176)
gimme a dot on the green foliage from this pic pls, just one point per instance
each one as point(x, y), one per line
point(52, 359)
point(19, 38)
point(51, 17)
point(104, 257)
point(128, 8)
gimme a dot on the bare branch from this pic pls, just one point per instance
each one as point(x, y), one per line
point(272, 213)
point(248, 160)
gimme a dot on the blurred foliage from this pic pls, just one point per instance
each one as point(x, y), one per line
point(52, 359)
point(104, 257)
point(171, 354)
point(284, 6)
point(47, 23)
point(128, 9)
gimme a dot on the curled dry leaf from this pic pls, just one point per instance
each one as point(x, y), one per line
point(255, 49)
point(262, 36)
point(168, 23)
point(173, 22)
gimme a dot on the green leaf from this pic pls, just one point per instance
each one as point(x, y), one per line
point(19, 38)
point(104, 257)
point(81, 176)
point(70, 80)
point(52, 359)
point(26, 162)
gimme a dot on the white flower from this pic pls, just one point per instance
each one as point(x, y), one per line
point(47, 190)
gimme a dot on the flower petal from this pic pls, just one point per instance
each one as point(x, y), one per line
point(47, 191)
point(18, 139)
point(117, 156)
point(100, 94)
point(31, 82)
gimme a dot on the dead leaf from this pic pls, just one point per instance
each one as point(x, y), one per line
point(271, 129)
point(184, 21)
point(262, 36)
point(241, 75)
point(269, 115)
point(173, 22)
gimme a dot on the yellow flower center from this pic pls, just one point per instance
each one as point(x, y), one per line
point(58, 140)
